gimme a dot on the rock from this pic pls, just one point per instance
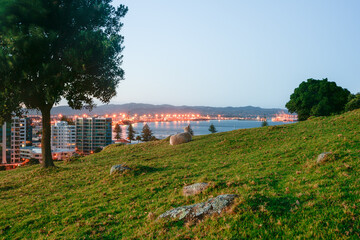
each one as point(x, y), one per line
point(180, 138)
point(194, 189)
point(200, 210)
point(323, 157)
point(119, 168)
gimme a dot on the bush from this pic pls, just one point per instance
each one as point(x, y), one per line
point(354, 103)
point(33, 161)
point(264, 123)
point(317, 98)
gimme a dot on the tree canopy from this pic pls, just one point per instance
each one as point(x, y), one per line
point(131, 133)
point(146, 133)
point(212, 128)
point(354, 102)
point(53, 50)
point(317, 98)
point(117, 131)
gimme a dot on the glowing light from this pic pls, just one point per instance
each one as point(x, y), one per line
point(114, 116)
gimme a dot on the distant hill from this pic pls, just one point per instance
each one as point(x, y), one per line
point(141, 108)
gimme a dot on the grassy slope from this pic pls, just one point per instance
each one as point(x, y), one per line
point(282, 192)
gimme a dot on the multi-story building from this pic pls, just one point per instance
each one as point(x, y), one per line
point(5, 133)
point(63, 136)
point(92, 133)
point(35, 152)
point(15, 135)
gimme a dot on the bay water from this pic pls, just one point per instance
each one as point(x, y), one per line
point(162, 130)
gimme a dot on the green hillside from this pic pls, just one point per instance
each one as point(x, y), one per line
point(282, 192)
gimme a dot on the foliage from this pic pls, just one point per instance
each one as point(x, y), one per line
point(138, 138)
point(146, 133)
point(212, 129)
point(53, 50)
point(264, 123)
point(97, 150)
point(283, 193)
point(33, 161)
point(153, 138)
point(68, 120)
point(131, 133)
point(317, 98)
point(117, 131)
point(354, 103)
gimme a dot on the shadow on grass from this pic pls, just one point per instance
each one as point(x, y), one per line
point(8, 188)
point(278, 206)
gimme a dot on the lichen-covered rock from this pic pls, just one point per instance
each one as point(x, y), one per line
point(194, 189)
point(119, 168)
point(323, 157)
point(200, 210)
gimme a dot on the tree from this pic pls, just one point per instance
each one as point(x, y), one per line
point(131, 133)
point(317, 98)
point(354, 103)
point(212, 128)
point(264, 123)
point(138, 138)
point(53, 50)
point(146, 133)
point(68, 120)
point(117, 131)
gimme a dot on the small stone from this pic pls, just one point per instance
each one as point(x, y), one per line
point(323, 157)
point(194, 189)
point(119, 168)
point(200, 210)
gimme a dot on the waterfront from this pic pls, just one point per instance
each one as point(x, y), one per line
point(162, 130)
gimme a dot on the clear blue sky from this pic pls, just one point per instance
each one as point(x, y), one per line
point(235, 52)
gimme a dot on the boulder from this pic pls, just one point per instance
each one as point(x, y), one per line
point(200, 210)
point(194, 189)
point(323, 157)
point(180, 138)
point(119, 168)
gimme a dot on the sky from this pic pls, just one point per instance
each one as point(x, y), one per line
point(236, 52)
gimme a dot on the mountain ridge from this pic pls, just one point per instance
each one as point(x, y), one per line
point(143, 108)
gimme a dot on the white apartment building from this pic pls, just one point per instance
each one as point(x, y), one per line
point(35, 152)
point(18, 137)
point(63, 136)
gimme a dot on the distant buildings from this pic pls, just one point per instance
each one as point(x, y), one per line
point(63, 136)
point(92, 133)
point(85, 137)
point(35, 152)
point(14, 137)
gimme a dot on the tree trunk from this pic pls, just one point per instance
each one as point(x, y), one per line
point(47, 160)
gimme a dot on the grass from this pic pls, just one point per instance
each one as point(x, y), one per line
point(282, 192)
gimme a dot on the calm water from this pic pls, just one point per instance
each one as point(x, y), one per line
point(162, 130)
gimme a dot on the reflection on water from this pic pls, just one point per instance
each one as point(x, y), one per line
point(162, 130)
